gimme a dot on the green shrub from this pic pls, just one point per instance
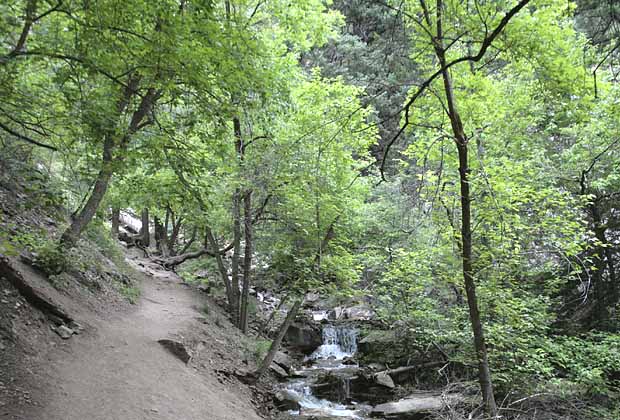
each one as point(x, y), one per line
point(50, 258)
point(261, 347)
point(130, 293)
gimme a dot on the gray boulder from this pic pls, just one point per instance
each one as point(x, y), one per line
point(358, 313)
point(279, 372)
point(284, 361)
point(303, 337)
point(287, 400)
point(384, 379)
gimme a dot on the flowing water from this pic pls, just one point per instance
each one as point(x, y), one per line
point(339, 343)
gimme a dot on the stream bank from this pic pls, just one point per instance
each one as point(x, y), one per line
point(335, 381)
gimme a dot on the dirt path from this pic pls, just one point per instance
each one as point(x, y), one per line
point(122, 373)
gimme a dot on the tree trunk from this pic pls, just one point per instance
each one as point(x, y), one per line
point(81, 220)
point(221, 267)
point(273, 314)
point(116, 215)
point(275, 344)
point(174, 236)
point(85, 215)
point(172, 262)
point(461, 140)
point(236, 255)
point(247, 261)
point(484, 372)
point(145, 232)
point(161, 238)
point(189, 242)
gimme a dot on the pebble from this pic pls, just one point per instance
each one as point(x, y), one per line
point(64, 332)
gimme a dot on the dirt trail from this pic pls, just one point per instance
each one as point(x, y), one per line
point(122, 373)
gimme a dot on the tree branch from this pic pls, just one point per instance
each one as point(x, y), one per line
point(26, 139)
point(486, 43)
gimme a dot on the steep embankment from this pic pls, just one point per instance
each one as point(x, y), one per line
point(120, 371)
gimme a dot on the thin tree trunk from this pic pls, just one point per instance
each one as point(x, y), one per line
point(174, 236)
point(461, 140)
point(221, 267)
point(189, 242)
point(116, 215)
point(247, 260)
point(31, 9)
point(275, 344)
point(236, 255)
point(273, 314)
point(161, 238)
point(145, 232)
point(484, 372)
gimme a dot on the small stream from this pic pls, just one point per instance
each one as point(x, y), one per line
point(339, 344)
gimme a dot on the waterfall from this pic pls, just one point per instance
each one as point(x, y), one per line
point(338, 342)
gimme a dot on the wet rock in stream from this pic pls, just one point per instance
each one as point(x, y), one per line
point(303, 337)
point(342, 386)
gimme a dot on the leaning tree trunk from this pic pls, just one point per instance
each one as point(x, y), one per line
point(247, 260)
point(484, 372)
point(275, 344)
point(221, 267)
point(86, 214)
point(461, 140)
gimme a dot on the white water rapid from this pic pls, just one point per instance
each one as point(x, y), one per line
point(339, 342)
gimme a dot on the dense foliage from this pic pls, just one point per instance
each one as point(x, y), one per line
point(312, 146)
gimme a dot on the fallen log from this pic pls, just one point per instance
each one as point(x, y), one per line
point(404, 369)
point(171, 262)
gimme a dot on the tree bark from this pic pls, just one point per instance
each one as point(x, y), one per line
point(85, 215)
point(247, 260)
point(110, 143)
point(189, 242)
point(172, 262)
point(116, 215)
point(273, 314)
point(236, 255)
point(174, 236)
point(275, 344)
point(461, 140)
point(145, 232)
point(221, 267)
point(161, 238)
